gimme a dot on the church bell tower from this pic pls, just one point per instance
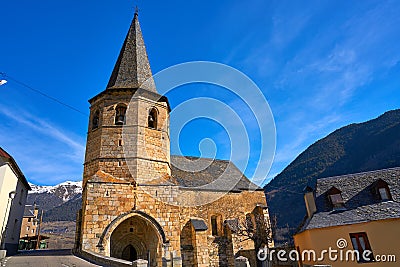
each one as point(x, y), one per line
point(127, 145)
point(128, 134)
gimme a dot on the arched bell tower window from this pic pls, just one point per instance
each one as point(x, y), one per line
point(120, 112)
point(152, 118)
point(95, 120)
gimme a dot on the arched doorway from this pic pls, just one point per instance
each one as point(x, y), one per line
point(136, 238)
point(129, 253)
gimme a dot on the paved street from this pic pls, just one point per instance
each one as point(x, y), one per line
point(46, 258)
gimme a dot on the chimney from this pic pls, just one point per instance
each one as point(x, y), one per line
point(309, 199)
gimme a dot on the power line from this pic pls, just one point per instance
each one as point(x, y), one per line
point(43, 94)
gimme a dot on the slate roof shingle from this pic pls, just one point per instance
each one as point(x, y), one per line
point(362, 204)
point(132, 69)
point(28, 213)
point(209, 174)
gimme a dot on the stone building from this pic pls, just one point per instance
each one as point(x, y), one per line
point(30, 221)
point(139, 202)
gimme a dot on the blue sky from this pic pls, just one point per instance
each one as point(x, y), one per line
point(320, 64)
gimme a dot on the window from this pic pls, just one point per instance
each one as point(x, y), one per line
point(335, 197)
point(361, 244)
point(382, 190)
point(383, 193)
point(29, 219)
point(95, 120)
point(214, 225)
point(152, 118)
point(120, 112)
point(27, 228)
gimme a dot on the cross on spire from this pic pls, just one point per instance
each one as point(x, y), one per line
point(132, 69)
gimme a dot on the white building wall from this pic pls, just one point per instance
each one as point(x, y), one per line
point(11, 212)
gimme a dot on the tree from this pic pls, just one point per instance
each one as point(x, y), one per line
point(255, 226)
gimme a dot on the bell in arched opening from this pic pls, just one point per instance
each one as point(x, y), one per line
point(152, 118)
point(120, 115)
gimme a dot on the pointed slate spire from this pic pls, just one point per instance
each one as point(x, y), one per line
point(132, 68)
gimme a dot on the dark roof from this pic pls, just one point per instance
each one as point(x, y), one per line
point(199, 225)
point(209, 174)
point(28, 212)
point(8, 158)
point(362, 203)
point(132, 68)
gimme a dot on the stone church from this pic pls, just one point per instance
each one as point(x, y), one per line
point(138, 200)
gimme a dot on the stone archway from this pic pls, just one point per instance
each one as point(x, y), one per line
point(133, 236)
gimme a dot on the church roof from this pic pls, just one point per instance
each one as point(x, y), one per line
point(209, 174)
point(132, 68)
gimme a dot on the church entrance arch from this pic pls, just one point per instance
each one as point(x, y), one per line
point(129, 253)
point(136, 237)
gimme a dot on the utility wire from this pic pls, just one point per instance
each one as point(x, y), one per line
point(43, 94)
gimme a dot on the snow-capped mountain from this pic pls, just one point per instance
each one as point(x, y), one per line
point(65, 190)
point(59, 202)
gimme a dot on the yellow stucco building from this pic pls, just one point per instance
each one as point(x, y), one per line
point(351, 220)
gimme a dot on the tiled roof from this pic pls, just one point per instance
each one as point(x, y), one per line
point(4, 154)
point(28, 212)
point(132, 68)
point(362, 203)
point(199, 224)
point(209, 174)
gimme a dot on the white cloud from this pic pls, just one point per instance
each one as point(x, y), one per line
point(46, 153)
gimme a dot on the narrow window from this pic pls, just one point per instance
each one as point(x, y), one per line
point(120, 112)
point(29, 219)
point(152, 118)
point(361, 244)
point(95, 120)
point(119, 142)
point(214, 225)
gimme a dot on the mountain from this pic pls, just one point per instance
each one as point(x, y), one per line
point(371, 145)
point(60, 202)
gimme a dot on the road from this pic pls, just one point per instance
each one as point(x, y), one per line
point(46, 258)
